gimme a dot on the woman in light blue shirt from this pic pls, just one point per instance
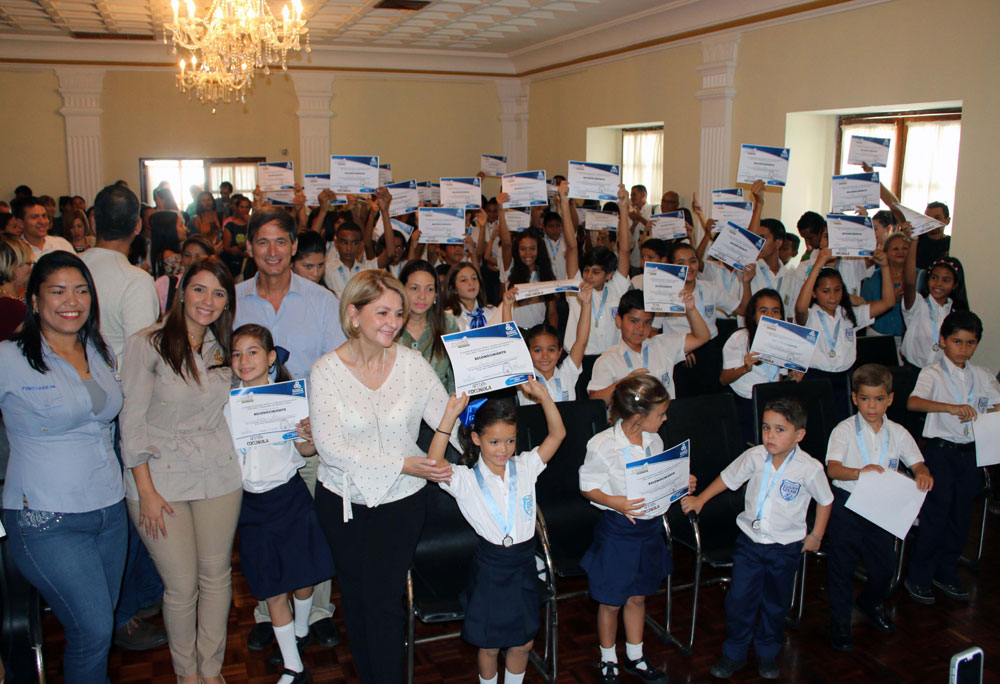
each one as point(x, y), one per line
point(63, 498)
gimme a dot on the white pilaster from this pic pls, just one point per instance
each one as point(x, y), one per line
point(513, 95)
point(717, 93)
point(81, 88)
point(314, 89)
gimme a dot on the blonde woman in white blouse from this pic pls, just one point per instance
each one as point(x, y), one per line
point(366, 399)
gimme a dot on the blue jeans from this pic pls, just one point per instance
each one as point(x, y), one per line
point(75, 560)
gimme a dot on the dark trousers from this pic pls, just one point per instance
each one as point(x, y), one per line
point(850, 536)
point(373, 552)
point(946, 513)
point(762, 586)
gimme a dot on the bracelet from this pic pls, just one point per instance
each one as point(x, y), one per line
point(442, 432)
point(819, 539)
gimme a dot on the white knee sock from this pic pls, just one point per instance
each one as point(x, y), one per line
point(302, 609)
point(634, 652)
point(495, 679)
point(608, 655)
point(511, 678)
point(285, 636)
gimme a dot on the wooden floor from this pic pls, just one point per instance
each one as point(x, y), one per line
point(919, 651)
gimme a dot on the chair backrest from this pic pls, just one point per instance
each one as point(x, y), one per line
point(816, 396)
point(904, 379)
point(877, 349)
point(445, 549)
point(726, 327)
point(586, 371)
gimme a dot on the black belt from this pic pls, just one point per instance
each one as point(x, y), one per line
point(946, 444)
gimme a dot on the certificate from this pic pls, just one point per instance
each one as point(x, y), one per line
point(921, 223)
point(487, 359)
point(784, 344)
point(277, 181)
point(737, 212)
point(405, 228)
point(517, 220)
point(736, 246)
point(315, 183)
point(529, 290)
point(355, 175)
point(588, 180)
point(850, 236)
point(727, 195)
point(466, 193)
point(429, 192)
point(601, 220)
point(526, 189)
point(384, 174)
point(863, 148)
point(659, 480)
point(888, 499)
point(493, 164)
point(986, 429)
point(661, 287)
point(759, 162)
point(550, 188)
point(267, 414)
point(854, 190)
point(668, 226)
point(441, 225)
point(405, 198)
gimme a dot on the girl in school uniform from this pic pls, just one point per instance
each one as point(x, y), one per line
point(628, 558)
point(824, 304)
point(526, 260)
point(464, 298)
point(543, 345)
point(282, 547)
point(942, 291)
point(495, 490)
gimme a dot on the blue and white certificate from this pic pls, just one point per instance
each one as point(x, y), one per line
point(659, 480)
point(736, 246)
point(854, 190)
point(668, 226)
point(353, 174)
point(384, 174)
point(661, 287)
point(441, 225)
point(850, 236)
point(589, 180)
point(759, 162)
point(277, 182)
point(493, 164)
point(405, 198)
point(526, 189)
point(517, 220)
point(267, 414)
point(737, 212)
point(601, 220)
point(429, 192)
point(315, 183)
point(727, 195)
point(529, 290)
point(487, 359)
point(466, 193)
point(405, 228)
point(874, 151)
point(784, 344)
point(921, 223)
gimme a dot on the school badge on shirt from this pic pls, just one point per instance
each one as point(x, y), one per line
point(789, 490)
point(528, 502)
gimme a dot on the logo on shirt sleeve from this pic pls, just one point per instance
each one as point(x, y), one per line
point(789, 490)
point(528, 502)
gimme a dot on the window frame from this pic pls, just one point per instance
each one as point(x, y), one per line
point(206, 168)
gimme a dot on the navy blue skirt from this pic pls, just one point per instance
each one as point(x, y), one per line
point(501, 599)
point(282, 546)
point(625, 559)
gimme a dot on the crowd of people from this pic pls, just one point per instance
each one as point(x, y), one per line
point(125, 327)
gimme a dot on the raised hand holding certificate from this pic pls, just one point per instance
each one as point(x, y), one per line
point(727, 195)
point(888, 499)
point(267, 414)
point(874, 151)
point(601, 220)
point(850, 236)
point(737, 212)
point(277, 181)
point(668, 226)
point(466, 193)
point(405, 199)
point(441, 225)
point(486, 359)
point(316, 183)
point(529, 290)
point(493, 164)
point(353, 174)
point(736, 246)
point(526, 189)
point(759, 162)
point(661, 286)
point(854, 190)
point(659, 480)
point(784, 344)
point(921, 223)
point(589, 180)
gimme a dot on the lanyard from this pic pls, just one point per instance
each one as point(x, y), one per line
point(772, 371)
point(729, 278)
point(627, 453)
point(935, 328)
point(765, 490)
point(956, 392)
point(553, 245)
point(345, 274)
point(505, 525)
point(559, 389)
point(600, 311)
point(863, 447)
point(645, 359)
point(765, 273)
point(477, 318)
point(831, 340)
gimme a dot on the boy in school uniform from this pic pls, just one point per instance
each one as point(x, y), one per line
point(345, 258)
point(781, 480)
point(866, 442)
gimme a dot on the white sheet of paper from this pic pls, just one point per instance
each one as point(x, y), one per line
point(526, 189)
point(590, 180)
point(517, 220)
point(353, 174)
point(405, 228)
point(267, 414)
point(441, 225)
point(384, 174)
point(854, 190)
point(660, 480)
point(493, 164)
point(668, 226)
point(921, 223)
point(489, 358)
point(759, 162)
point(727, 195)
point(889, 499)
point(601, 220)
point(986, 429)
point(405, 198)
point(465, 192)
point(529, 290)
point(850, 236)
point(661, 287)
point(277, 181)
point(316, 183)
point(863, 148)
point(736, 246)
point(736, 212)
point(784, 344)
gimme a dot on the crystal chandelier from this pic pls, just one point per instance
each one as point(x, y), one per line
point(230, 42)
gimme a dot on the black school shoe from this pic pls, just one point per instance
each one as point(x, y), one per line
point(877, 617)
point(920, 593)
point(261, 636)
point(325, 632)
point(276, 658)
point(726, 668)
point(956, 592)
point(297, 677)
point(608, 673)
point(840, 638)
point(646, 674)
point(768, 669)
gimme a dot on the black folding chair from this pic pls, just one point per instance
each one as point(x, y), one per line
point(20, 624)
point(904, 378)
point(586, 371)
point(816, 396)
point(876, 349)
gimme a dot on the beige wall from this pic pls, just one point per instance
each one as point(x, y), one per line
point(33, 149)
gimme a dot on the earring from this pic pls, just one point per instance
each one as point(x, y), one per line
point(356, 324)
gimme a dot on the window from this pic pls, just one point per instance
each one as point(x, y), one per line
point(181, 174)
point(642, 159)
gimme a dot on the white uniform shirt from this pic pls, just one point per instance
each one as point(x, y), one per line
point(733, 352)
point(712, 301)
point(658, 355)
point(604, 465)
point(471, 501)
point(844, 340)
point(557, 255)
point(853, 271)
point(952, 387)
point(603, 332)
point(783, 519)
point(51, 243)
point(647, 213)
point(561, 386)
point(528, 312)
point(923, 330)
point(336, 274)
point(843, 447)
point(784, 281)
point(493, 316)
point(729, 281)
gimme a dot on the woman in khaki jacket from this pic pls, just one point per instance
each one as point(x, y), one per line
point(183, 487)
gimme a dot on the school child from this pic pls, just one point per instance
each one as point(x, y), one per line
point(628, 558)
point(465, 300)
point(543, 345)
point(865, 442)
point(781, 480)
point(852, 271)
point(942, 291)
point(345, 259)
point(952, 392)
point(789, 248)
point(495, 490)
point(309, 260)
point(526, 260)
point(282, 547)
